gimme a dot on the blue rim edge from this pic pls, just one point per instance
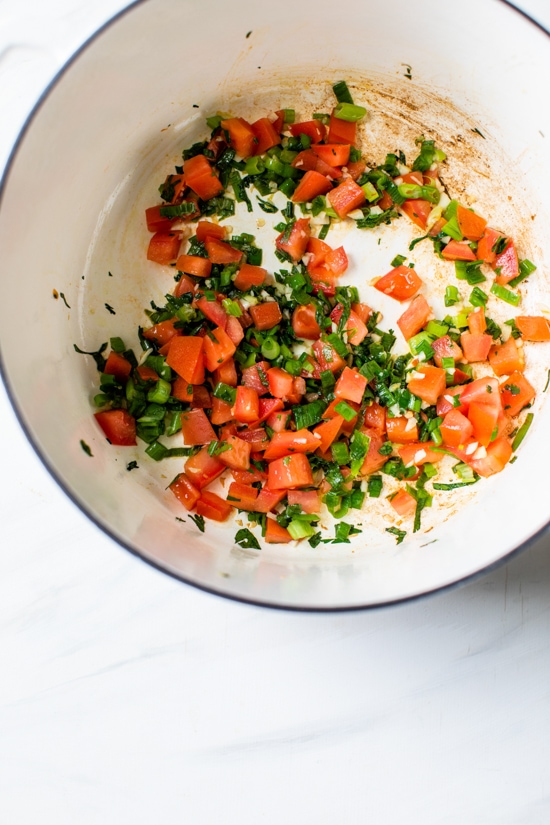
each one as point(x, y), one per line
point(471, 577)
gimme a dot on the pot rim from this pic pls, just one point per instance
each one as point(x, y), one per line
point(470, 577)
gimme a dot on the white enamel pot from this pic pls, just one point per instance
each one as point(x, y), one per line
point(89, 161)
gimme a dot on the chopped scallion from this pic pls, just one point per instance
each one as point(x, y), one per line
point(507, 295)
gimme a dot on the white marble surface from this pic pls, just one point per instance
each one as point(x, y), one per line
point(128, 698)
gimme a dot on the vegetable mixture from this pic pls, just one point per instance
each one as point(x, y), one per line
point(286, 381)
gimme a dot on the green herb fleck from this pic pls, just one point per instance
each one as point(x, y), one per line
point(86, 448)
point(244, 538)
point(199, 521)
point(399, 534)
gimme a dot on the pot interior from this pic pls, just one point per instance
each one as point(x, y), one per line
point(111, 128)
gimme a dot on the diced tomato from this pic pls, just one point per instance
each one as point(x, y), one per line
point(248, 476)
point(213, 507)
point(355, 327)
point(280, 382)
point(306, 161)
point(268, 500)
point(304, 322)
point(185, 491)
point(385, 202)
point(475, 347)
point(118, 366)
point(196, 428)
point(483, 418)
point(437, 227)
point(201, 177)
point(268, 406)
point(296, 243)
point(285, 442)
point(416, 178)
point(162, 333)
point(374, 461)
point(472, 226)
point(256, 377)
point(311, 185)
point(221, 252)
point(119, 427)
point(486, 245)
point(308, 500)
point(194, 265)
point(375, 416)
point(415, 317)
point(506, 264)
point(401, 430)
point(241, 136)
point(482, 390)
point(184, 285)
point(401, 283)
point(203, 468)
point(356, 168)
point(328, 431)
point(337, 260)
point(403, 503)
point(207, 229)
point(459, 376)
point(182, 390)
point(533, 327)
point(445, 403)
point(430, 386)
point(247, 405)
point(256, 437)
point(476, 321)
point(218, 347)
point(213, 311)
point(314, 130)
point(149, 374)
point(164, 247)
point(331, 411)
point(226, 373)
point(351, 385)
point(362, 311)
point(506, 358)
point(334, 154)
point(248, 276)
point(327, 358)
point(341, 131)
point(516, 392)
point(275, 534)
point(280, 120)
point(242, 496)
point(317, 257)
point(279, 420)
point(346, 197)
point(234, 330)
point(445, 347)
point(222, 412)
point(266, 315)
point(419, 453)
point(499, 454)
point(201, 398)
point(456, 429)
point(458, 251)
point(156, 223)
point(236, 454)
point(266, 135)
point(290, 472)
point(185, 356)
point(418, 211)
